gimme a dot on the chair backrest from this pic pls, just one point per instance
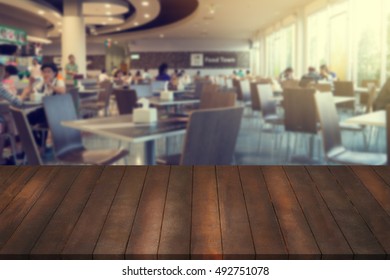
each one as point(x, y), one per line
point(209, 88)
point(245, 89)
point(143, 90)
point(306, 81)
point(199, 85)
point(290, 84)
point(255, 100)
point(343, 88)
point(60, 108)
point(237, 87)
point(366, 83)
point(322, 87)
point(126, 101)
point(158, 86)
point(88, 83)
point(388, 133)
point(211, 136)
point(212, 100)
point(329, 120)
point(26, 137)
point(268, 104)
point(300, 113)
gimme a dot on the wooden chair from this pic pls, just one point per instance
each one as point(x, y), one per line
point(26, 137)
point(212, 100)
point(322, 87)
point(290, 84)
point(67, 142)
point(126, 101)
point(333, 149)
point(210, 139)
point(256, 105)
point(366, 83)
point(345, 88)
point(102, 102)
point(300, 118)
point(237, 87)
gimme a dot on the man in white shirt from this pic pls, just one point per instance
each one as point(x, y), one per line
point(103, 76)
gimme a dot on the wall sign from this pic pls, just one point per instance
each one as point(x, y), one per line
point(220, 60)
point(197, 60)
point(12, 35)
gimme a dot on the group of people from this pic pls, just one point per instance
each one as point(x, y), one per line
point(324, 75)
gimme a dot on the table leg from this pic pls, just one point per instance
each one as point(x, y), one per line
point(150, 152)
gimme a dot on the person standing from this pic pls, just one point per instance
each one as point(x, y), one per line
point(71, 68)
point(35, 70)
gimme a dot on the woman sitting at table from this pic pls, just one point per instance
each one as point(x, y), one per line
point(162, 73)
point(49, 86)
point(4, 94)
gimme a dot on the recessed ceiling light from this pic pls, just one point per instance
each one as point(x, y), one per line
point(107, 6)
point(108, 13)
point(104, 23)
point(145, 3)
point(110, 19)
point(59, 23)
point(118, 29)
point(41, 12)
point(162, 36)
point(146, 15)
point(136, 23)
point(212, 11)
point(56, 15)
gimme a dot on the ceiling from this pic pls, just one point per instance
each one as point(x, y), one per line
point(230, 19)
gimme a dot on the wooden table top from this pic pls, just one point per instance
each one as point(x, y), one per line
point(377, 118)
point(162, 212)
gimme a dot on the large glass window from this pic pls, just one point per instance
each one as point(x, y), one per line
point(318, 39)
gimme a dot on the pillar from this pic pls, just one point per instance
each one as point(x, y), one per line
point(74, 35)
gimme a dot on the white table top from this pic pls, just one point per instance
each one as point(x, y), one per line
point(156, 101)
point(377, 118)
point(336, 99)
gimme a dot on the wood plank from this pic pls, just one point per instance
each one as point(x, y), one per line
point(267, 237)
point(327, 233)
point(5, 173)
point(297, 234)
point(206, 241)
point(52, 241)
point(375, 184)
point(361, 240)
point(24, 238)
point(15, 212)
point(145, 234)
point(370, 210)
point(175, 237)
point(237, 242)
point(384, 172)
point(112, 242)
point(85, 234)
point(14, 184)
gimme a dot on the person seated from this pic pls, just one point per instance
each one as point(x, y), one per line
point(119, 78)
point(10, 78)
point(197, 76)
point(162, 73)
point(312, 74)
point(5, 94)
point(248, 75)
point(50, 85)
point(146, 75)
point(286, 75)
point(326, 74)
point(138, 77)
point(103, 76)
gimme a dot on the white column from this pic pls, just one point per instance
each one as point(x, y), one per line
point(73, 35)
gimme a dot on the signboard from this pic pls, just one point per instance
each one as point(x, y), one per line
point(197, 60)
point(220, 60)
point(12, 35)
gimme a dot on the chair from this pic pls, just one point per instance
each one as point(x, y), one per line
point(26, 137)
point(322, 87)
point(212, 100)
point(345, 88)
point(333, 149)
point(143, 90)
point(210, 139)
point(256, 105)
point(67, 142)
point(300, 117)
point(102, 102)
point(245, 90)
point(89, 83)
point(290, 84)
point(126, 101)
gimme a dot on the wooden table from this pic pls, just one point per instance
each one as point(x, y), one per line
point(162, 212)
point(377, 118)
point(122, 128)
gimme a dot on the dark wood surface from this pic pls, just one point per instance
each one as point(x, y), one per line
point(202, 212)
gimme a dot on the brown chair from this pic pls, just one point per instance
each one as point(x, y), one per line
point(300, 118)
point(331, 135)
point(367, 99)
point(102, 102)
point(213, 100)
point(322, 87)
point(126, 101)
point(26, 137)
point(345, 88)
point(366, 83)
point(67, 142)
point(237, 87)
point(256, 105)
point(210, 139)
point(290, 84)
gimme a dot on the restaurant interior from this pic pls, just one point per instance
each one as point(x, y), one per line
point(275, 113)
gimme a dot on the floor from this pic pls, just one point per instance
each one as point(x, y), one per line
point(162, 212)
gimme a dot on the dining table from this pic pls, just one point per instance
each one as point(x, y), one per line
point(123, 128)
point(377, 118)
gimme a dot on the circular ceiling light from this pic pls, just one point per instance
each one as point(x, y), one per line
point(145, 3)
point(101, 7)
point(103, 20)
